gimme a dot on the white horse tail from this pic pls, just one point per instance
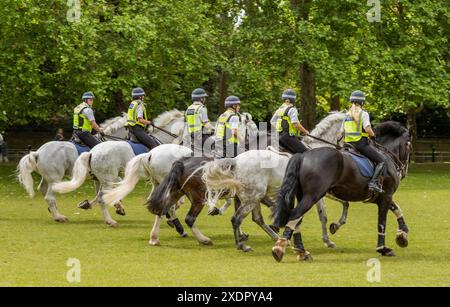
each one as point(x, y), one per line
point(27, 165)
point(80, 171)
point(220, 177)
point(135, 169)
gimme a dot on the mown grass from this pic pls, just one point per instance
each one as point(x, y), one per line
point(34, 249)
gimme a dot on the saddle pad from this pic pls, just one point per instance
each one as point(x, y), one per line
point(364, 165)
point(80, 148)
point(138, 148)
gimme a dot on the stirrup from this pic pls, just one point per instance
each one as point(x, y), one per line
point(375, 187)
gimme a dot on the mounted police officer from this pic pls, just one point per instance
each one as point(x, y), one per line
point(196, 117)
point(84, 121)
point(227, 126)
point(138, 119)
point(288, 125)
point(357, 130)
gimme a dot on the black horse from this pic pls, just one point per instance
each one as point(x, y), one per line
point(315, 173)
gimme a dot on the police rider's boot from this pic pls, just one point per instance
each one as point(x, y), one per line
point(374, 184)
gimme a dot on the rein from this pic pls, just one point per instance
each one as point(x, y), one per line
point(165, 131)
point(399, 164)
point(337, 146)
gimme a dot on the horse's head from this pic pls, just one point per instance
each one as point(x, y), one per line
point(249, 127)
point(397, 139)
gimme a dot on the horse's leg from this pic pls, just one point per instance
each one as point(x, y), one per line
point(239, 215)
point(237, 203)
point(86, 204)
point(402, 232)
point(106, 216)
point(383, 207)
point(49, 196)
point(321, 210)
point(258, 219)
point(154, 234)
point(120, 209)
point(295, 218)
point(173, 221)
point(194, 211)
point(299, 248)
point(334, 227)
point(225, 206)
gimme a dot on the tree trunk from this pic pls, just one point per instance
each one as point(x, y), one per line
point(308, 97)
point(223, 90)
point(411, 124)
point(335, 103)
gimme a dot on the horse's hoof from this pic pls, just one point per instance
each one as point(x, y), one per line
point(386, 252)
point(243, 237)
point(402, 239)
point(277, 253)
point(246, 249)
point(206, 242)
point(154, 242)
point(304, 256)
point(330, 244)
point(84, 205)
point(61, 219)
point(213, 211)
point(112, 224)
point(334, 228)
point(184, 235)
point(279, 249)
point(120, 210)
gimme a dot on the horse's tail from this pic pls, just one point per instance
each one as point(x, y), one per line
point(80, 171)
point(157, 203)
point(290, 188)
point(26, 166)
point(220, 177)
point(136, 168)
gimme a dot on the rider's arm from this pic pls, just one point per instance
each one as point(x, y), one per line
point(205, 120)
point(366, 124)
point(90, 117)
point(140, 116)
point(293, 114)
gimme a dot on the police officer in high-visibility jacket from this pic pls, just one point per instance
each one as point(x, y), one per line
point(288, 125)
point(357, 130)
point(196, 117)
point(138, 119)
point(84, 121)
point(227, 126)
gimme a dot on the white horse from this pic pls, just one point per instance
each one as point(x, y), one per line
point(106, 160)
point(256, 176)
point(54, 160)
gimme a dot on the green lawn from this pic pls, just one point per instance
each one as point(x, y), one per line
point(34, 249)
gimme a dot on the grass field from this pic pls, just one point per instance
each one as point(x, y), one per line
point(34, 249)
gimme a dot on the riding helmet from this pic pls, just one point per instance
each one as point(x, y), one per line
point(289, 94)
point(137, 92)
point(232, 101)
point(358, 97)
point(198, 93)
point(88, 95)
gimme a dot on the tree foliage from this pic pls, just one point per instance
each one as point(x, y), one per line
point(322, 48)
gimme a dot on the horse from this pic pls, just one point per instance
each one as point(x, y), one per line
point(105, 162)
point(56, 159)
point(313, 174)
point(256, 176)
point(156, 172)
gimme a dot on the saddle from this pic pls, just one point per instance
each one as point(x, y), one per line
point(364, 164)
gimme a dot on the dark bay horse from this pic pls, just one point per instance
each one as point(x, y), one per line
point(313, 174)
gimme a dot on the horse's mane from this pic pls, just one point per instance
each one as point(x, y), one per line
point(167, 117)
point(326, 129)
point(115, 123)
point(390, 128)
point(328, 122)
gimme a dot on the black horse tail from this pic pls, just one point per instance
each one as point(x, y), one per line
point(290, 188)
point(160, 199)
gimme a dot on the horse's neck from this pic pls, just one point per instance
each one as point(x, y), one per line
point(115, 127)
point(329, 129)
